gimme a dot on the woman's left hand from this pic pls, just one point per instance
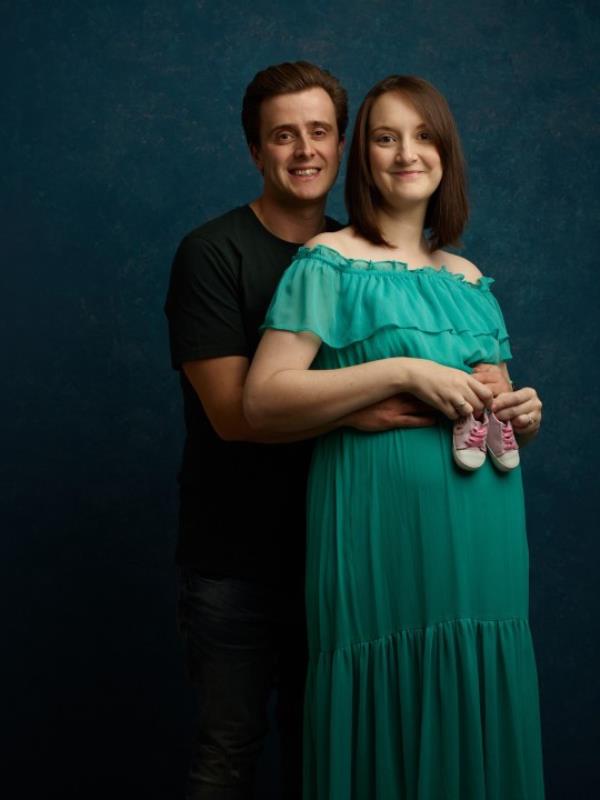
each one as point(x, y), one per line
point(523, 408)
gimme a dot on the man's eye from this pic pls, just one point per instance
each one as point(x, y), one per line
point(284, 136)
point(320, 133)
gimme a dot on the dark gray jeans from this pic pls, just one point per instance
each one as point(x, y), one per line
point(241, 639)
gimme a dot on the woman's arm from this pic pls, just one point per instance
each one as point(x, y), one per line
point(283, 394)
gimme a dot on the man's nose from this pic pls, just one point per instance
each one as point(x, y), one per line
point(304, 146)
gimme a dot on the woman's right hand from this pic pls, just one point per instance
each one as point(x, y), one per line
point(452, 391)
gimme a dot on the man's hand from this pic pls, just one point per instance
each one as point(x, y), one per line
point(494, 376)
point(399, 411)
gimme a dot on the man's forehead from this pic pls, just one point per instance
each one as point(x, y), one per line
point(310, 105)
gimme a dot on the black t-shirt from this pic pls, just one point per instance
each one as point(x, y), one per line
point(242, 509)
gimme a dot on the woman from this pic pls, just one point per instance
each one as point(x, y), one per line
point(422, 680)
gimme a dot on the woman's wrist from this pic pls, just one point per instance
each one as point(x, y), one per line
point(404, 379)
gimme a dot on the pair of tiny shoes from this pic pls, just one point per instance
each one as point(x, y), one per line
point(473, 436)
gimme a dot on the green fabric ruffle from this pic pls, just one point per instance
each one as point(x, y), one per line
point(378, 295)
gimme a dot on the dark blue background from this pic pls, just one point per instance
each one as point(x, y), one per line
point(121, 132)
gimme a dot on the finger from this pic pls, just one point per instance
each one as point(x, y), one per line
point(510, 413)
point(526, 422)
point(464, 409)
point(523, 421)
point(482, 392)
point(450, 411)
point(495, 385)
point(483, 367)
point(506, 399)
point(509, 410)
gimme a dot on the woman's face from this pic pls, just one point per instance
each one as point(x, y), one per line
point(405, 164)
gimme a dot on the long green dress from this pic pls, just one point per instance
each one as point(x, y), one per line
point(422, 682)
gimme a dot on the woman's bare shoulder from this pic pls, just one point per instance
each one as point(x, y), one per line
point(458, 264)
point(335, 239)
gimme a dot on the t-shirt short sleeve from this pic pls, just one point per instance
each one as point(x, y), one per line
point(203, 304)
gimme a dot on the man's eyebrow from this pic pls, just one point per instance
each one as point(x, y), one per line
point(312, 124)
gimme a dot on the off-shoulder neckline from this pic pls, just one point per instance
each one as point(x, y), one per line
point(394, 266)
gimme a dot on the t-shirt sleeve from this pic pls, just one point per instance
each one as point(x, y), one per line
point(203, 304)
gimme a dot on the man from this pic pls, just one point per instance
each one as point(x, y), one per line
point(241, 533)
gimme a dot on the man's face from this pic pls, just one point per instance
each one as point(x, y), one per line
point(300, 151)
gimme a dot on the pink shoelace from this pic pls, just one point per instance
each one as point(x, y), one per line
point(508, 437)
point(477, 435)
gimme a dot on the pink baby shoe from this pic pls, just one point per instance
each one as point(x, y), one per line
point(468, 441)
point(501, 443)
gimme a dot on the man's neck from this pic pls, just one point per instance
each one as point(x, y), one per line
point(295, 224)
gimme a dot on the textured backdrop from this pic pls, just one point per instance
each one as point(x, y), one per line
point(120, 133)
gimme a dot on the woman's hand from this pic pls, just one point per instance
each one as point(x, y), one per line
point(523, 408)
point(452, 391)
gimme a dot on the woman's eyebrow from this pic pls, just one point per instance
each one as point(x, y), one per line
point(392, 128)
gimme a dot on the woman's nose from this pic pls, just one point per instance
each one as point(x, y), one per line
point(405, 152)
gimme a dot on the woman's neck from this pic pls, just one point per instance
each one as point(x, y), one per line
point(404, 231)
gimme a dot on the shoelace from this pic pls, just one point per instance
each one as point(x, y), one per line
point(477, 435)
point(508, 438)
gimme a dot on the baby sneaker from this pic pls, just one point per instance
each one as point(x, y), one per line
point(501, 443)
point(468, 441)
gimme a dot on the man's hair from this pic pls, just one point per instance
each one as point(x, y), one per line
point(448, 209)
point(288, 78)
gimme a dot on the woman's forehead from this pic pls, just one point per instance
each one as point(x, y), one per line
point(393, 109)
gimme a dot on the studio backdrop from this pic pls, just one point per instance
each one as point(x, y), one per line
point(121, 132)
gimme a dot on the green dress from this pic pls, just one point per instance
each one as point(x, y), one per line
point(422, 682)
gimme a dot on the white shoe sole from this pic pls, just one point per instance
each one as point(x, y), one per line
point(463, 465)
point(502, 466)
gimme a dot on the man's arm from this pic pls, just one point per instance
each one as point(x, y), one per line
point(219, 384)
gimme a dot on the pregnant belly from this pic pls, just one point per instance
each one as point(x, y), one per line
point(392, 517)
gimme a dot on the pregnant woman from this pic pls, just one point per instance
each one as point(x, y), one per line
point(422, 680)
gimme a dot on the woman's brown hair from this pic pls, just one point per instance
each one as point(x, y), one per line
point(448, 209)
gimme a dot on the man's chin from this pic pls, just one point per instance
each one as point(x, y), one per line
point(305, 195)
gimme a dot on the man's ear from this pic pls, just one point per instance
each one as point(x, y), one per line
point(341, 145)
point(255, 153)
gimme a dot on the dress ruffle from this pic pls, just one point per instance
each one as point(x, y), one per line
point(429, 714)
point(378, 295)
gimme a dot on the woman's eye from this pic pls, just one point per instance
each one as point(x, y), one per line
point(425, 135)
point(385, 138)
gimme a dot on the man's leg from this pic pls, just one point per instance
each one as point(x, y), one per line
point(227, 629)
point(292, 651)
